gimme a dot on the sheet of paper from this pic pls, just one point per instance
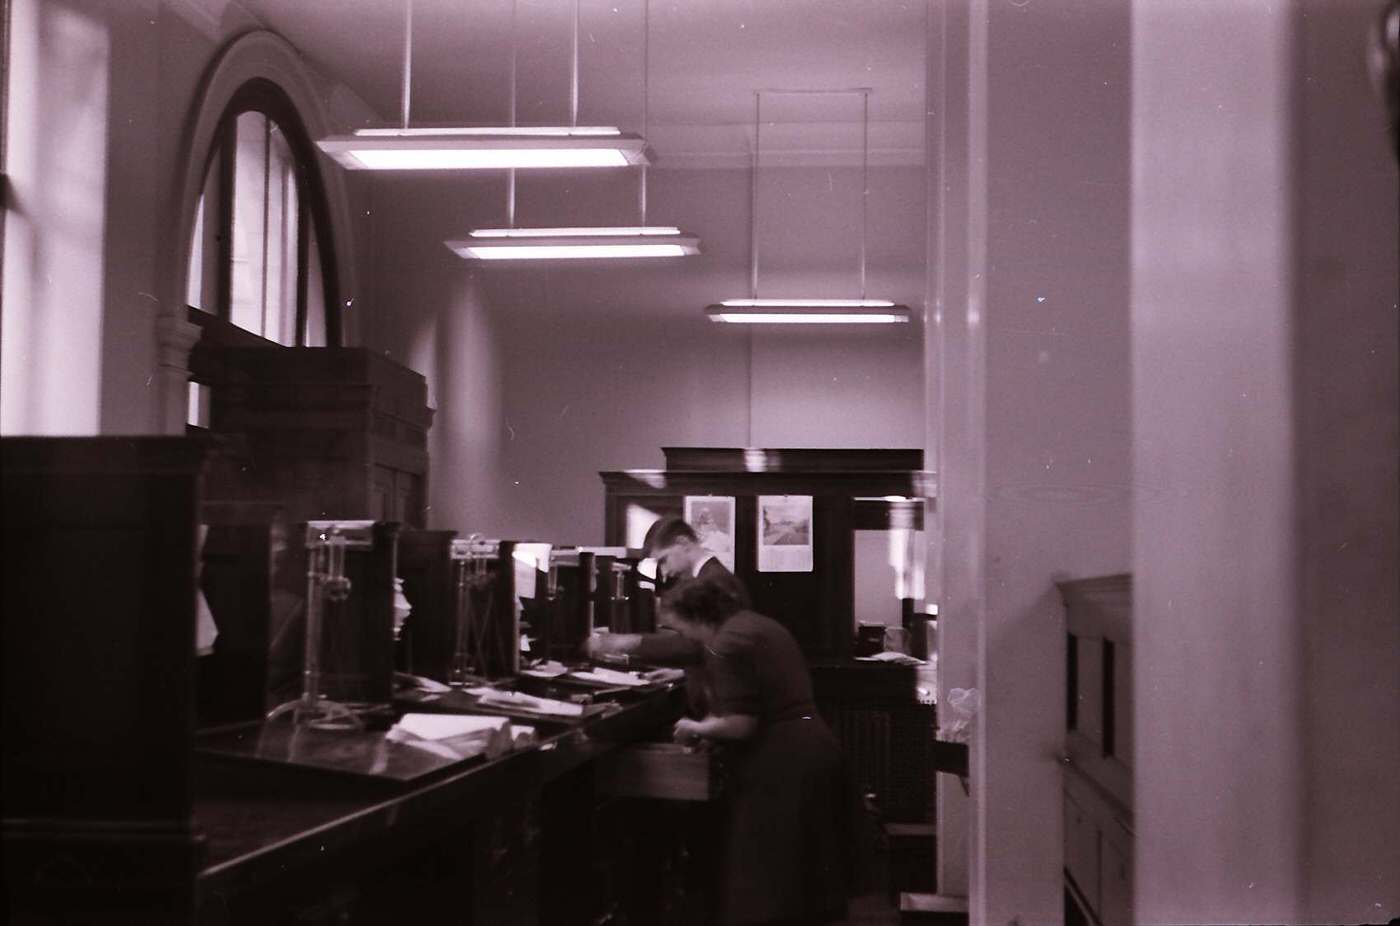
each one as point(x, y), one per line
point(531, 559)
point(446, 726)
point(514, 699)
point(610, 677)
point(784, 533)
point(549, 669)
point(712, 517)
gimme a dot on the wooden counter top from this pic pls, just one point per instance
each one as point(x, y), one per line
point(260, 822)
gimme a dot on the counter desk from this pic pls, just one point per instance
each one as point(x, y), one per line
point(510, 839)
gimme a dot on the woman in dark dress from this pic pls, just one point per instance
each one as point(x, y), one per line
point(787, 849)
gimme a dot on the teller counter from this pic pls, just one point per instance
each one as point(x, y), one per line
point(514, 839)
point(121, 805)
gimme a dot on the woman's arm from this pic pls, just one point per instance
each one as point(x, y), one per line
point(729, 727)
point(603, 645)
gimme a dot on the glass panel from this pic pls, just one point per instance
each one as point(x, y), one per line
point(194, 287)
point(315, 291)
point(197, 413)
point(247, 289)
point(280, 312)
point(202, 288)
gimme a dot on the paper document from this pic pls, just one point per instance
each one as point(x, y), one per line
point(549, 669)
point(446, 726)
point(611, 677)
point(899, 659)
point(518, 701)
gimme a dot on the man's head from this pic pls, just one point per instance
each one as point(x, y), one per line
point(674, 545)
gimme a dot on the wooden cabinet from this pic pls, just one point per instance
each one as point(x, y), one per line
point(327, 432)
point(1098, 786)
point(817, 606)
point(99, 545)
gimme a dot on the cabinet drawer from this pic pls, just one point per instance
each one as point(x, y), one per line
point(665, 771)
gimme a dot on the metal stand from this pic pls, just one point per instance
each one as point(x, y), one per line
point(326, 582)
point(471, 562)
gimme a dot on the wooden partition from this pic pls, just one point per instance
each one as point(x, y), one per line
point(99, 615)
point(244, 547)
point(430, 633)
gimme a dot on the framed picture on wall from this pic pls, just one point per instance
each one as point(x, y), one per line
point(785, 533)
point(712, 516)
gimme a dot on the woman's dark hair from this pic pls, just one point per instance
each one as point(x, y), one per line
point(701, 601)
point(666, 532)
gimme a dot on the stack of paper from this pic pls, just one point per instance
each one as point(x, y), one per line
point(662, 676)
point(514, 700)
point(611, 677)
point(454, 735)
point(550, 669)
point(899, 659)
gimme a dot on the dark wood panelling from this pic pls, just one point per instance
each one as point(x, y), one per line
point(803, 460)
point(817, 606)
point(99, 540)
point(329, 433)
point(429, 635)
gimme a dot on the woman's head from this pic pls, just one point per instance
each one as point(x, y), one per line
point(696, 606)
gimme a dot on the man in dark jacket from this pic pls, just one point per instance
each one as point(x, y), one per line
point(679, 555)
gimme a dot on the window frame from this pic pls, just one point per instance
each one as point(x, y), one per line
point(265, 97)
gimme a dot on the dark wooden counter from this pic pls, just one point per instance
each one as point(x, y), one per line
point(273, 830)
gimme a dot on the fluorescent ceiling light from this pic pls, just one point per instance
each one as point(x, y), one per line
point(808, 303)
point(634, 231)
point(486, 148)
point(808, 312)
point(575, 243)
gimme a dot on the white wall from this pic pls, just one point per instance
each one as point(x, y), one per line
point(1265, 405)
point(101, 104)
point(1033, 429)
point(566, 370)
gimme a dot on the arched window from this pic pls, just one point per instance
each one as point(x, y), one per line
point(261, 259)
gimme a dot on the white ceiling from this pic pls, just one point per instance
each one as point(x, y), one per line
point(707, 57)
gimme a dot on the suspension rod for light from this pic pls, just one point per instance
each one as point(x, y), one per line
point(483, 147)
point(584, 242)
point(803, 311)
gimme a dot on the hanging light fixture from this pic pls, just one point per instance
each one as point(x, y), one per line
point(580, 242)
point(803, 311)
point(484, 148)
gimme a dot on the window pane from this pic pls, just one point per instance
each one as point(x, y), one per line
point(202, 290)
point(197, 413)
point(315, 291)
point(194, 287)
point(279, 312)
point(247, 289)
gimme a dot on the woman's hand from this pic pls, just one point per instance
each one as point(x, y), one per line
point(686, 731)
point(730, 727)
point(611, 647)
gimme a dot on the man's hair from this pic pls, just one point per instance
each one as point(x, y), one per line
point(702, 601)
point(666, 532)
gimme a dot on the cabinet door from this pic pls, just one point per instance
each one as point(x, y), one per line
point(1082, 852)
point(1115, 907)
point(385, 494)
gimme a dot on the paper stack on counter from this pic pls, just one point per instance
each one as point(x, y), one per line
point(664, 675)
point(550, 669)
point(514, 700)
point(899, 659)
point(458, 736)
point(612, 677)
